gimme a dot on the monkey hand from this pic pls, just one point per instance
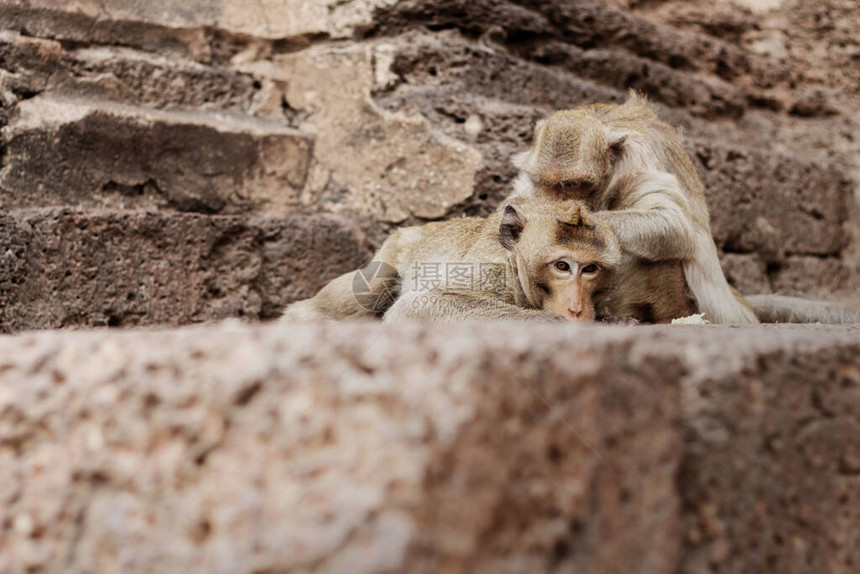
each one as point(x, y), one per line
point(625, 321)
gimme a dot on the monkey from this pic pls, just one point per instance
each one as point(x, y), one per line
point(558, 262)
point(612, 285)
point(624, 161)
point(414, 283)
point(646, 291)
point(551, 257)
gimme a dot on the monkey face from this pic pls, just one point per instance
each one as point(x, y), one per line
point(562, 255)
point(572, 157)
point(580, 189)
point(567, 285)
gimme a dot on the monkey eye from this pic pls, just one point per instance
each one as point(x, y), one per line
point(572, 189)
point(590, 269)
point(562, 266)
point(577, 184)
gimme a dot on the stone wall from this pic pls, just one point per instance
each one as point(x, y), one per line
point(365, 448)
point(171, 162)
point(167, 162)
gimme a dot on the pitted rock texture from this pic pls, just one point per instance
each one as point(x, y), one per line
point(172, 162)
point(107, 155)
point(465, 448)
point(66, 267)
point(771, 473)
point(388, 113)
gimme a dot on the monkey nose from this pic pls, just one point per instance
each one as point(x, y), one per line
point(575, 311)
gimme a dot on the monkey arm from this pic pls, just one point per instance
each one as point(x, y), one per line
point(438, 306)
point(652, 234)
point(653, 217)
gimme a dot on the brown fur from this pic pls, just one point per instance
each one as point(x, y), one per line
point(525, 239)
point(624, 160)
point(646, 291)
point(470, 241)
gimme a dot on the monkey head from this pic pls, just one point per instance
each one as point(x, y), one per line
point(571, 157)
point(561, 255)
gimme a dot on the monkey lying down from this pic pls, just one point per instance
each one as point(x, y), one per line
point(535, 260)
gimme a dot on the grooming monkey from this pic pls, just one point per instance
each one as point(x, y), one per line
point(558, 262)
point(623, 160)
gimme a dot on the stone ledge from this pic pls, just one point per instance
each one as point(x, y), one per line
point(77, 268)
point(373, 448)
point(62, 151)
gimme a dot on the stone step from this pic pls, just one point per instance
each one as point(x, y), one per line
point(91, 153)
point(131, 76)
point(700, 95)
point(527, 73)
point(368, 448)
point(113, 24)
point(213, 30)
point(85, 268)
point(584, 24)
point(770, 202)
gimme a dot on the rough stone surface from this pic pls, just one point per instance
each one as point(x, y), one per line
point(773, 205)
point(204, 30)
point(402, 112)
point(172, 162)
point(372, 448)
point(391, 166)
point(770, 479)
point(64, 268)
point(802, 275)
point(748, 273)
point(66, 152)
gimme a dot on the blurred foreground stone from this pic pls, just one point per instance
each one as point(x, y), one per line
point(370, 448)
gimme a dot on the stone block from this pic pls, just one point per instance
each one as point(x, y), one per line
point(101, 154)
point(72, 268)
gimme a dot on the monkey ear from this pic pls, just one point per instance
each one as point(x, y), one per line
point(616, 140)
point(616, 144)
point(521, 160)
point(511, 227)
